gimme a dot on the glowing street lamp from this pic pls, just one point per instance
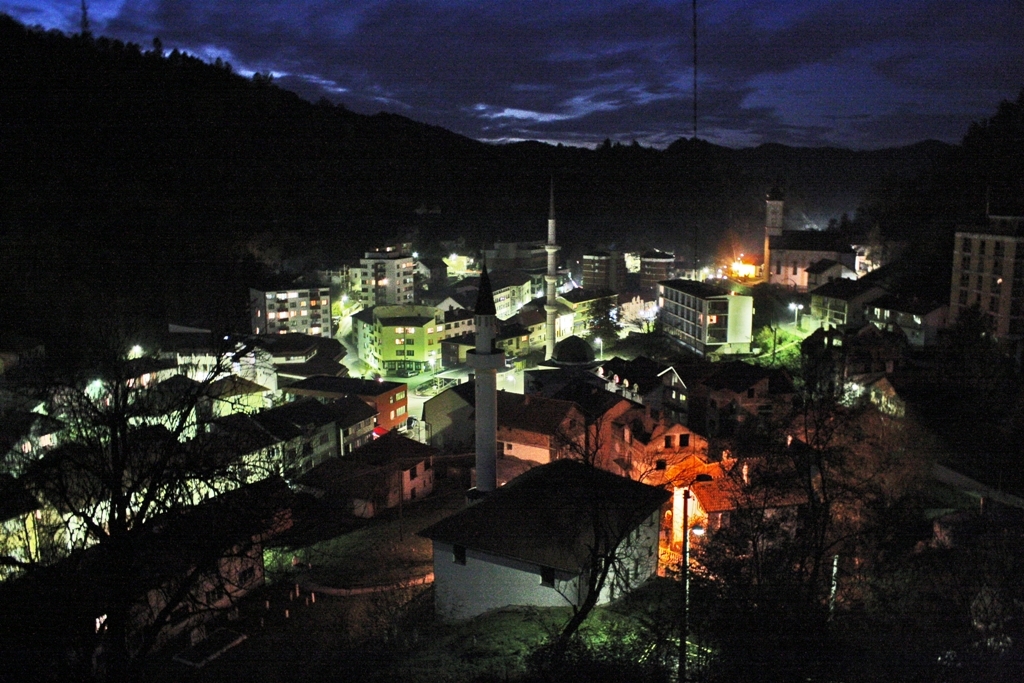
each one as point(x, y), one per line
point(796, 308)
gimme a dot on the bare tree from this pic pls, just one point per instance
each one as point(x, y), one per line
point(124, 474)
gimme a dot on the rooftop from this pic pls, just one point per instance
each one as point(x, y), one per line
point(542, 516)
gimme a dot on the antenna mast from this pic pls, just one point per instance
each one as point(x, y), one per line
point(694, 69)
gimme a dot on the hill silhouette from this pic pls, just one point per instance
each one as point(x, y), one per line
point(164, 179)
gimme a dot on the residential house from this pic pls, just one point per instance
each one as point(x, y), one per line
point(539, 429)
point(390, 400)
point(533, 428)
point(647, 382)
point(843, 354)
point(767, 490)
point(586, 304)
point(736, 392)
point(917, 319)
point(298, 356)
point(536, 541)
point(382, 474)
point(843, 302)
point(826, 270)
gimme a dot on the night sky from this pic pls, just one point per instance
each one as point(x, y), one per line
point(863, 74)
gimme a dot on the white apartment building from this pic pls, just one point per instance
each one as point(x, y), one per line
point(384, 278)
point(306, 310)
point(705, 318)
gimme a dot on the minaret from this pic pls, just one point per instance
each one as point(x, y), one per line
point(551, 279)
point(486, 361)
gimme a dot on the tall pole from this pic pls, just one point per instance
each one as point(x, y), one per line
point(685, 631)
point(694, 69)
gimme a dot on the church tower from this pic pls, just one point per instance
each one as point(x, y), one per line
point(486, 361)
point(773, 222)
point(551, 279)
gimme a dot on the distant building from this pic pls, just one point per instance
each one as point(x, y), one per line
point(385, 277)
point(988, 272)
point(655, 266)
point(603, 270)
point(306, 310)
point(843, 302)
point(706, 318)
point(400, 341)
point(918, 319)
point(794, 258)
point(585, 304)
point(389, 399)
point(528, 256)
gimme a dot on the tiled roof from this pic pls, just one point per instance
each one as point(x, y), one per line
point(330, 387)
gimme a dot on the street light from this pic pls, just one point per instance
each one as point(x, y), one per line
point(796, 308)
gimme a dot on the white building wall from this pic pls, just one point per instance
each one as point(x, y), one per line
point(488, 582)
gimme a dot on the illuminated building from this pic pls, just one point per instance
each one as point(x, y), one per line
point(306, 310)
point(705, 318)
point(988, 272)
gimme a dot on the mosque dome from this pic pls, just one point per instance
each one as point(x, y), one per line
point(573, 351)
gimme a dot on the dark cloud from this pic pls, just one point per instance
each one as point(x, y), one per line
point(859, 73)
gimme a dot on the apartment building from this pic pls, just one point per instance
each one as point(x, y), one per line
point(385, 277)
point(706, 318)
point(306, 310)
point(988, 272)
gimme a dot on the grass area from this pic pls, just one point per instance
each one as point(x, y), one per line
point(383, 636)
point(385, 550)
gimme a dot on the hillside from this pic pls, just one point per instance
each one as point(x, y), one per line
point(130, 172)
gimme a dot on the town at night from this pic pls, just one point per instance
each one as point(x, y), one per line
point(522, 341)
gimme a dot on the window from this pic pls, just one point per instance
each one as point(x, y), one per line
point(508, 447)
point(668, 442)
point(547, 576)
point(399, 396)
point(684, 440)
point(246, 575)
point(965, 245)
point(794, 267)
point(401, 411)
point(459, 554)
point(660, 464)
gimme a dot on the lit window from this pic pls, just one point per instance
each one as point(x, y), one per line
point(293, 295)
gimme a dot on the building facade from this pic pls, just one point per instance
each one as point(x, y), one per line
point(706, 318)
point(306, 310)
point(988, 272)
point(400, 341)
point(385, 278)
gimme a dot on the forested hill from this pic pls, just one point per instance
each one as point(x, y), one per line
point(126, 170)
